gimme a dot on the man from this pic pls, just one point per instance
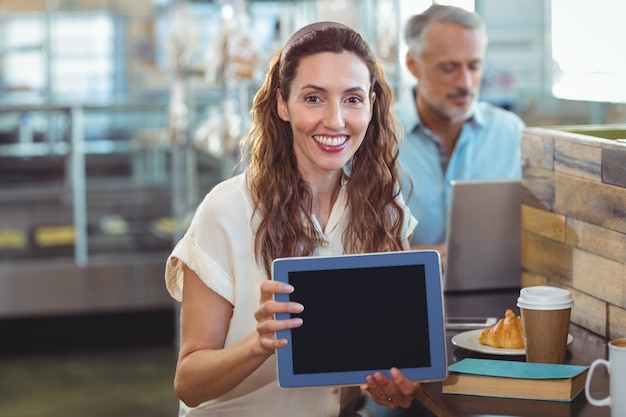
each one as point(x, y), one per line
point(449, 134)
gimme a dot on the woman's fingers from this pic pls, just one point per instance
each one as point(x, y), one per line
point(267, 330)
point(268, 306)
point(271, 287)
point(395, 393)
point(267, 325)
point(405, 386)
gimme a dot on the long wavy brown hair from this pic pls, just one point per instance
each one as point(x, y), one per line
point(282, 198)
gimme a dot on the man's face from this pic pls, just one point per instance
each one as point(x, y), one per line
point(449, 70)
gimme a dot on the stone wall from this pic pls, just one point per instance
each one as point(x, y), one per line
point(574, 223)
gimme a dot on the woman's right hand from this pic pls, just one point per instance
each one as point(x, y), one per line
point(267, 325)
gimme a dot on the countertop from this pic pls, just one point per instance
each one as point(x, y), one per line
point(584, 349)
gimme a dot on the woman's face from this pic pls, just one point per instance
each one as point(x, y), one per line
point(329, 109)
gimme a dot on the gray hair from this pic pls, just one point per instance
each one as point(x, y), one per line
point(418, 26)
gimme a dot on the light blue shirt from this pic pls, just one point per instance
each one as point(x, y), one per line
point(489, 147)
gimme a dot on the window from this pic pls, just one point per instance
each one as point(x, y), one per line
point(76, 60)
point(24, 69)
point(82, 55)
point(587, 49)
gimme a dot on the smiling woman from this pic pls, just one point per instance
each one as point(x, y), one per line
point(322, 179)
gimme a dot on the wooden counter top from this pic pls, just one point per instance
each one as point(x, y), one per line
point(584, 349)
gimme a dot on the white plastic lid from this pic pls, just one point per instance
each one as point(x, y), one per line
point(545, 298)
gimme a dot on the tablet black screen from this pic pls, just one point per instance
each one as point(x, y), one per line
point(360, 319)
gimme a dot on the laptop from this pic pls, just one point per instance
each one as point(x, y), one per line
point(483, 237)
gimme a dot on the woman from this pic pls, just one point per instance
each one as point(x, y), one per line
point(321, 180)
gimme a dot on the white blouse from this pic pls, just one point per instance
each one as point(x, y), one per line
point(219, 248)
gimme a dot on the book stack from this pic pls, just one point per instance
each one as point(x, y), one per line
point(511, 379)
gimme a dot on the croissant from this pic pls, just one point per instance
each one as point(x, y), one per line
point(506, 333)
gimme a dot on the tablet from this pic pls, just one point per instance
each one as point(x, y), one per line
point(362, 314)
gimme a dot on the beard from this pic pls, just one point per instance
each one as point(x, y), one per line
point(451, 110)
point(448, 107)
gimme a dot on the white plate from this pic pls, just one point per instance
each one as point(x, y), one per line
point(469, 340)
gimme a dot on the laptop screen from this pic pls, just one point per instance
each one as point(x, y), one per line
point(483, 241)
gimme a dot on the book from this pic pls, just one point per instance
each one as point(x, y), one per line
point(512, 379)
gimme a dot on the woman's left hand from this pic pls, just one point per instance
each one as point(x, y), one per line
point(395, 393)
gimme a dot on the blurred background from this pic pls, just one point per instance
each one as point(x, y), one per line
point(117, 117)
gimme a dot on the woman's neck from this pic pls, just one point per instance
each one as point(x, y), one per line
point(324, 192)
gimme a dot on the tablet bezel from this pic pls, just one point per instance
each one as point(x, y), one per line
point(430, 259)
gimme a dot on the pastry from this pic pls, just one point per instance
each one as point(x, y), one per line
point(506, 333)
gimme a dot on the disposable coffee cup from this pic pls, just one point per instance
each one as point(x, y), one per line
point(545, 313)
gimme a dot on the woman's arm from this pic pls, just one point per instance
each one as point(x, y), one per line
point(206, 369)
